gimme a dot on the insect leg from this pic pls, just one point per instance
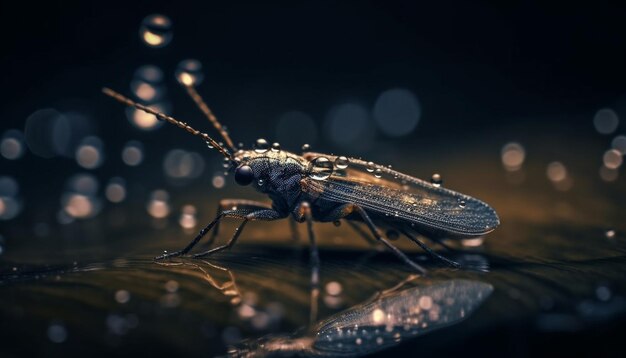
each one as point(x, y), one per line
point(304, 211)
point(361, 232)
point(194, 241)
point(228, 245)
point(430, 252)
point(348, 209)
point(244, 208)
point(232, 204)
point(389, 245)
point(247, 213)
point(294, 230)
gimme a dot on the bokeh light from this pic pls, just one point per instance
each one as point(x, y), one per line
point(397, 112)
point(146, 121)
point(83, 183)
point(556, 172)
point(187, 218)
point(10, 204)
point(158, 206)
point(156, 30)
point(41, 129)
point(90, 154)
point(79, 201)
point(513, 155)
point(606, 121)
point(115, 190)
point(218, 181)
point(189, 72)
point(558, 175)
point(147, 84)
point(180, 164)
point(612, 159)
point(12, 144)
point(132, 154)
point(49, 133)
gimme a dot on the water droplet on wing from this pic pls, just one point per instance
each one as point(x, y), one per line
point(321, 168)
point(436, 180)
point(261, 146)
point(341, 162)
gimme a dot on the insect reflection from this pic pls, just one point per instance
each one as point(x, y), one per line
point(392, 317)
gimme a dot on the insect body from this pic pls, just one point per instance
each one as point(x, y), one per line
point(319, 187)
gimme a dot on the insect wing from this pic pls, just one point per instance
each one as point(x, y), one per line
point(403, 197)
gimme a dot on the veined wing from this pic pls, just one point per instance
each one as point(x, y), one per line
point(404, 197)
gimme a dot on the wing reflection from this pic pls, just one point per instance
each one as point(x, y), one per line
point(383, 322)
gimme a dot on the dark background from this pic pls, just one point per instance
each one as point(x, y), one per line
point(472, 65)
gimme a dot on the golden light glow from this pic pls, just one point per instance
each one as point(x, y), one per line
point(378, 315)
point(146, 91)
point(79, 206)
point(144, 120)
point(153, 39)
point(186, 79)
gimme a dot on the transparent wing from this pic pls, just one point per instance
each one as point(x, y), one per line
point(404, 197)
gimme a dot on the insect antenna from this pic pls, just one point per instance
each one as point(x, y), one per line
point(161, 116)
point(187, 82)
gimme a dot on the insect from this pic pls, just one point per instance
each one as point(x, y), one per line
point(328, 188)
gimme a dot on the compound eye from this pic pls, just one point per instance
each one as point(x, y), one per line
point(244, 175)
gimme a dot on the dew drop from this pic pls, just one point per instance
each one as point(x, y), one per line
point(436, 180)
point(208, 144)
point(261, 146)
point(321, 168)
point(275, 147)
point(156, 30)
point(341, 162)
point(260, 182)
point(370, 167)
point(306, 147)
point(378, 173)
point(462, 203)
point(226, 163)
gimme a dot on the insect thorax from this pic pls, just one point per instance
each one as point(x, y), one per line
point(276, 174)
